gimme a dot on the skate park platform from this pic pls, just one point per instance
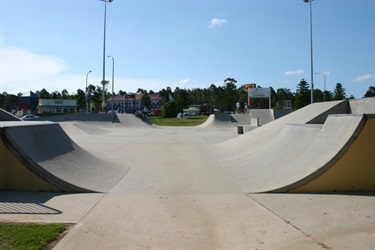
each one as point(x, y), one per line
point(202, 188)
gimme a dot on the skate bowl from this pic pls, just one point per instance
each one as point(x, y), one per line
point(323, 147)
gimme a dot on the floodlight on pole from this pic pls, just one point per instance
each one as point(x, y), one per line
point(311, 52)
point(87, 91)
point(104, 40)
point(324, 93)
point(113, 79)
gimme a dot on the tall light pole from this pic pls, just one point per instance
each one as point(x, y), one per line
point(113, 79)
point(324, 93)
point(311, 52)
point(87, 91)
point(105, 21)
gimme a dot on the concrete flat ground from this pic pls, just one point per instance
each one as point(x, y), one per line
point(176, 196)
point(201, 221)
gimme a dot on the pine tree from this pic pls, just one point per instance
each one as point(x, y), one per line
point(302, 95)
point(339, 92)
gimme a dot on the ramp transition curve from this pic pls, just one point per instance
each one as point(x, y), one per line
point(40, 156)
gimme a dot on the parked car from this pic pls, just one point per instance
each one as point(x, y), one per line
point(29, 117)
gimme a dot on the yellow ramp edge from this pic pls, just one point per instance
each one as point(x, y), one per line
point(354, 171)
point(15, 176)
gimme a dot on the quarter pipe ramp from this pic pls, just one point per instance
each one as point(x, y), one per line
point(40, 156)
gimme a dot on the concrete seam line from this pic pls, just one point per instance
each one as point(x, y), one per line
point(92, 208)
point(321, 244)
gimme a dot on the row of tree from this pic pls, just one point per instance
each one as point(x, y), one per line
point(222, 97)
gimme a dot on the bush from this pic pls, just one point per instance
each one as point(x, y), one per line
point(169, 110)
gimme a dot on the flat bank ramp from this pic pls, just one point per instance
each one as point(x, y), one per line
point(217, 120)
point(6, 116)
point(263, 115)
point(40, 156)
point(131, 121)
point(335, 156)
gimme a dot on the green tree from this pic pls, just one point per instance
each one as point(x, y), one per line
point(43, 94)
point(328, 95)
point(318, 95)
point(169, 109)
point(141, 91)
point(216, 96)
point(165, 94)
point(181, 97)
point(8, 101)
point(56, 95)
point(145, 100)
point(80, 97)
point(339, 92)
point(302, 95)
point(282, 96)
point(230, 96)
point(120, 92)
point(65, 94)
point(370, 92)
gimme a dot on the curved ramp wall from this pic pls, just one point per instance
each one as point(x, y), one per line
point(57, 163)
point(354, 170)
point(335, 156)
point(263, 137)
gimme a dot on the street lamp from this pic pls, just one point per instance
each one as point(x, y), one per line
point(113, 79)
point(311, 52)
point(105, 21)
point(324, 93)
point(87, 91)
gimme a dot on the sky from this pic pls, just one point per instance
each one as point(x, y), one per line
point(155, 44)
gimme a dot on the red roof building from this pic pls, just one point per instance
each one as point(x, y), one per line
point(132, 102)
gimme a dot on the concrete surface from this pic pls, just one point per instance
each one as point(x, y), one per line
point(182, 192)
point(201, 221)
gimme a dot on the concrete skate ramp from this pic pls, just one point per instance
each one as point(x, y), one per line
point(130, 120)
point(260, 139)
point(217, 121)
point(6, 116)
point(90, 117)
point(362, 106)
point(39, 156)
point(334, 156)
point(263, 115)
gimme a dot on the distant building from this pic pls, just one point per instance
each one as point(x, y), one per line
point(132, 102)
point(57, 106)
point(28, 101)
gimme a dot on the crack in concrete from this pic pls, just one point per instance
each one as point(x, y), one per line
point(321, 244)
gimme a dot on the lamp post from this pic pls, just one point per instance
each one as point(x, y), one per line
point(87, 91)
point(311, 52)
point(113, 79)
point(105, 21)
point(324, 93)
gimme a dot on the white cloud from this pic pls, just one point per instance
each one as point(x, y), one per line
point(184, 81)
point(327, 72)
point(295, 72)
point(363, 78)
point(21, 65)
point(216, 22)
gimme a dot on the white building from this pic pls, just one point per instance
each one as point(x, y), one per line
point(57, 106)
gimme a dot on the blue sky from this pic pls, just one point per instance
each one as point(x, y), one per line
point(52, 44)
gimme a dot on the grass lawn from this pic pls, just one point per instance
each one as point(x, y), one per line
point(186, 121)
point(30, 236)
